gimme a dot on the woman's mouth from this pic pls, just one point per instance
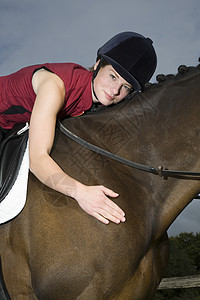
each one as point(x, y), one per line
point(109, 97)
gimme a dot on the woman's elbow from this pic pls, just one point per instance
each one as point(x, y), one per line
point(32, 162)
point(35, 161)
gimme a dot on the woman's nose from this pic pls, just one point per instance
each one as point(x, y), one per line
point(115, 89)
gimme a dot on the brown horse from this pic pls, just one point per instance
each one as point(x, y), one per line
point(54, 250)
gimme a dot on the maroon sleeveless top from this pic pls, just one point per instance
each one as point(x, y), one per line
point(17, 96)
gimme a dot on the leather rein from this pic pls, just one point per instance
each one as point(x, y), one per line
point(160, 171)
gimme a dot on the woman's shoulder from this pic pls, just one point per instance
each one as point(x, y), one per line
point(67, 67)
point(70, 73)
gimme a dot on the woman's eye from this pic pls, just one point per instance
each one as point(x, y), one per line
point(127, 88)
point(112, 76)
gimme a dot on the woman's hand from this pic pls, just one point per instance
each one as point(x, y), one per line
point(94, 201)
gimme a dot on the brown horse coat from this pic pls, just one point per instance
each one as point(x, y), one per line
point(54, 250)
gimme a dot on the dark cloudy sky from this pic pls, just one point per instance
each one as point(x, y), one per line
point(38, 31)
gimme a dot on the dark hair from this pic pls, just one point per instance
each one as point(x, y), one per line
point(103, 64)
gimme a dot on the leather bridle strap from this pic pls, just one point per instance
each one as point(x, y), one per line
point(165, 173)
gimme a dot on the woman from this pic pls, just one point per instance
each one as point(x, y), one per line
point(42, 93)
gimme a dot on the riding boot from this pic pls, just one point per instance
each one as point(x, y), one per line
point(3, 290)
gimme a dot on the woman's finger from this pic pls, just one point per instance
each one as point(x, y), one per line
point(101, 218)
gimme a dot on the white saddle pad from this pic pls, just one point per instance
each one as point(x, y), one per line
point(14, 202)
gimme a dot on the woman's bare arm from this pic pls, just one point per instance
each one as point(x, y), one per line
point(50, 92)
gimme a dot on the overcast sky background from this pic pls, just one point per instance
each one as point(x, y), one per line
point(38, 31)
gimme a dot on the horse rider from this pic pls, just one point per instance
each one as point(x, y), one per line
point(40, 94)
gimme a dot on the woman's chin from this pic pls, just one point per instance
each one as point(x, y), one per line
point(106, 102)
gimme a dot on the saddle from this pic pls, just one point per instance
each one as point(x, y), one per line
point(12, 150)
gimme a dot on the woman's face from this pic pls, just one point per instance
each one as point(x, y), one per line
point(109, 86)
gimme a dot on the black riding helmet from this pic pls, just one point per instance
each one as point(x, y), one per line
point(132, 56)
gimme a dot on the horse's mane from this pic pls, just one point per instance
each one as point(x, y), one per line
point(162, 79)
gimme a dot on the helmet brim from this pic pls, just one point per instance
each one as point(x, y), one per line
point(123, 73)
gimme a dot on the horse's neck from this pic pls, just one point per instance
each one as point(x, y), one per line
point(173, 139)
point(156, 127)
point(163, 126)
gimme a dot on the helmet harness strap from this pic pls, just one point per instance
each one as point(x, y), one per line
point(95, 72)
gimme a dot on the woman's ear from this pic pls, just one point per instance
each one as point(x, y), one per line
point(96, 65)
